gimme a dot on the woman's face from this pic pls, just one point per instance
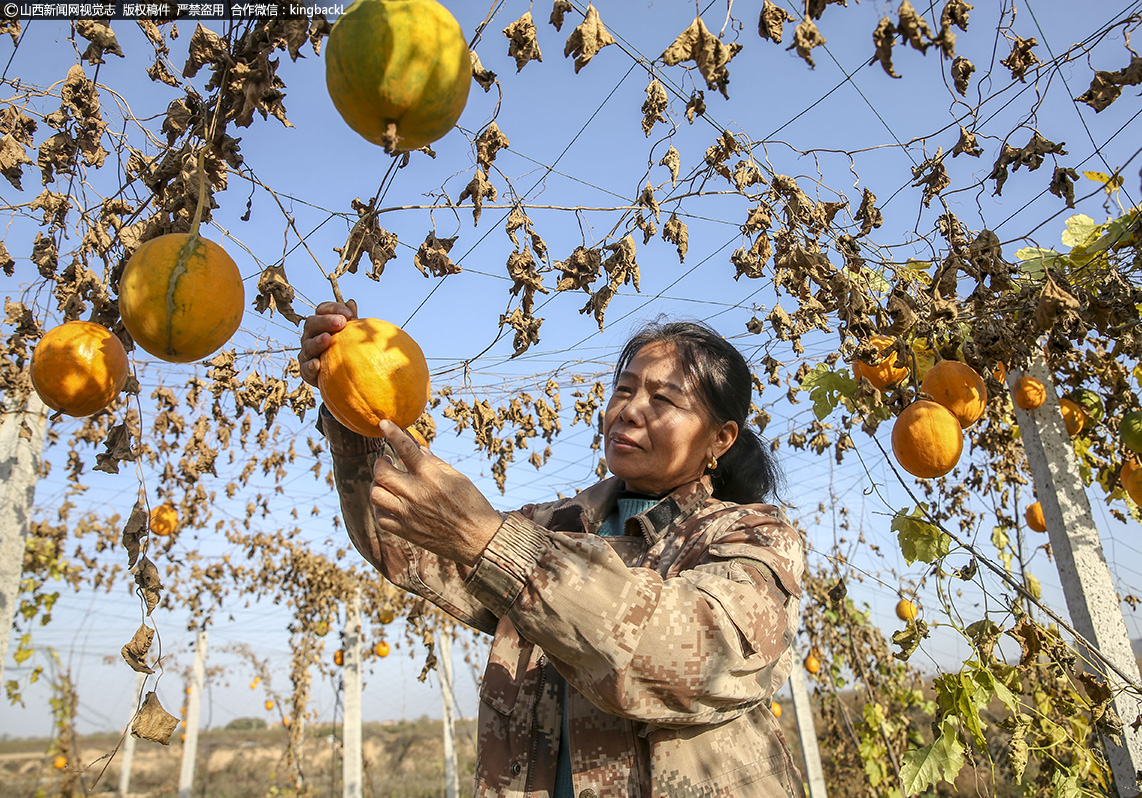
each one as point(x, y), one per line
point(657, 433)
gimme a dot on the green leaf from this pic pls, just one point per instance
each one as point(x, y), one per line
point(1081, 231)
point(928, 766)
point(827, 389)
point(920, 540)
point(1034, 261)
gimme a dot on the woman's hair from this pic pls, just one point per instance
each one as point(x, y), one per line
point(747, 472)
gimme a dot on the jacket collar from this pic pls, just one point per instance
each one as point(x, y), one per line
point(589, 507)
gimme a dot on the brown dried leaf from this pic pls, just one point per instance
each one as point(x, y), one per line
point(1054, 301)
point(672, 161)
point(932, 175)
point(56, 154)
point(710, 53)
point(560, 8)
point(12, 158)
point(432, 256)
point(868, 214)
point(159, 73)
point(805, 38)
point(275, 293)
point(135, 652)
point(523, 45)
point(7, 263)
point(12, 28)
point(967, 144)
point(695, 106)
point(1063, 184)
point(588, 39)
point(676, 233)
point(102, 39)
point(955, 13)
point(153, 722)
point(884, 37)
point(1105, 87)
point(118, 450)
point(1021, 58)
point(771, 22)
point(147, 579)
point(488, 144)
point(485, 77)
point(580, 269)
point(913, 27)
point(526, 329)
point(478, 189)
point(962, 70)
point(206, 47)
point(133, 532)
point(656, 103)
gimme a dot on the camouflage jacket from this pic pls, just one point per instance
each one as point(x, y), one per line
point(672, 639)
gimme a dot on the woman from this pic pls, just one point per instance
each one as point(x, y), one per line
point(640, 627)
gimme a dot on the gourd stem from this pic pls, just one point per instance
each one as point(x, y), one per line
point(201, 193)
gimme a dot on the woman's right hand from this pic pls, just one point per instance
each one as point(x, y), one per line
point(317, 333)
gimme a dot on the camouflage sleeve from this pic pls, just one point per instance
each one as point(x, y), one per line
point(407, 566)
point(699, 646)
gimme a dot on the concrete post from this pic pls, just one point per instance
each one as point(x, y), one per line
point(21, 447)
point(444, 660)
point(351, 773)
point(193, 707)
point(807, 731)
point(129, 744)
point(1092, 600)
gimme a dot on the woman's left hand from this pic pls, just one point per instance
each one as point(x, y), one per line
point(432, 505)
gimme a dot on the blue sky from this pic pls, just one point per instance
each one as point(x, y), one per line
point(577, 142)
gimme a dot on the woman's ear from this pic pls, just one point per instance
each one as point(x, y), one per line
point(725, 437)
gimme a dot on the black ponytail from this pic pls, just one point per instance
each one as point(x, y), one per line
point(747, 473)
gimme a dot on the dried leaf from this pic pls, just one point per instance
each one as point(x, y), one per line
point(695, 106)
point(932, 175)
point(147, 579)
point(206, 47)
point(1054, 301)
point(432, 256)
point(955, 13)
point(1021, 58)
point(884, 37)
point(805, 38)
point(153, 722)
point(118, 450)
point(135, 652)
point(1063, 184)
point(560, 8)
point(102, 39)
point(12, 158)
point(710, 53)
point(478, 189)
point(133, 532)
point(523, 45)
point(485, 77)
point(913, 27)
point(771, 23)
point(275, 293)
point(962, 70)
point(1105, 87)
point(656, 103)
point(868, 214)
point(580, 269)
point(488, 144)
point(967, 144)
point(676, 233)
point(672, 161)
point(587, 39)
point(7, 263)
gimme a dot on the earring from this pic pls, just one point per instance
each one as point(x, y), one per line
point(712, 463)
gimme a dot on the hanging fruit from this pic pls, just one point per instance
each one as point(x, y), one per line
point(889, 371)
point(398, 71)
point(78, 368)
point(373, 370)
point(1130, 431)
point(812, 663)
point(164, 520)
point(382, 649)
point(338, 658)
point(181, 297)
point(927, 440)
point(1073, 416)
point(1035, 518)
point(906, 610)
point(1029, 393)
point(1091, 403)
point(776, 709)
point(959, 388)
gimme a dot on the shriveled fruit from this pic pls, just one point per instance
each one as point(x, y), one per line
point(387, 616)
point(959, 388)
point(398, 71)
point(79, 368)
point(927, 439)
point(1091, 403)
point(181, 297)
point(164, 520)
point(906, 610)
point(1073, 416)
point(338, 658)
point(382, 649)
point(812, 664)
point(1130, 431)
point(1035, 519)
point(373, 370)
point(321, 628)
point(1029, 393)
point(775, 708)
point(889, 371)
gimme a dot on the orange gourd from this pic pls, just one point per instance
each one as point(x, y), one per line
point(889, 371)
point(398, 71)
point(1133, 485)
point(1035, 519)
point(382, 649)
point(1029, 393)
point(812, 663)
point(338, 658)
point(373, 370)
point(959, 388)
point(927, 439)
point(181, 297)
point(775, 709)
point(1129, 466)
point(60, 762)
point(906, 610)
point(269, 704)
point(78, 368)
point(1073, 416)
point(164, 520)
